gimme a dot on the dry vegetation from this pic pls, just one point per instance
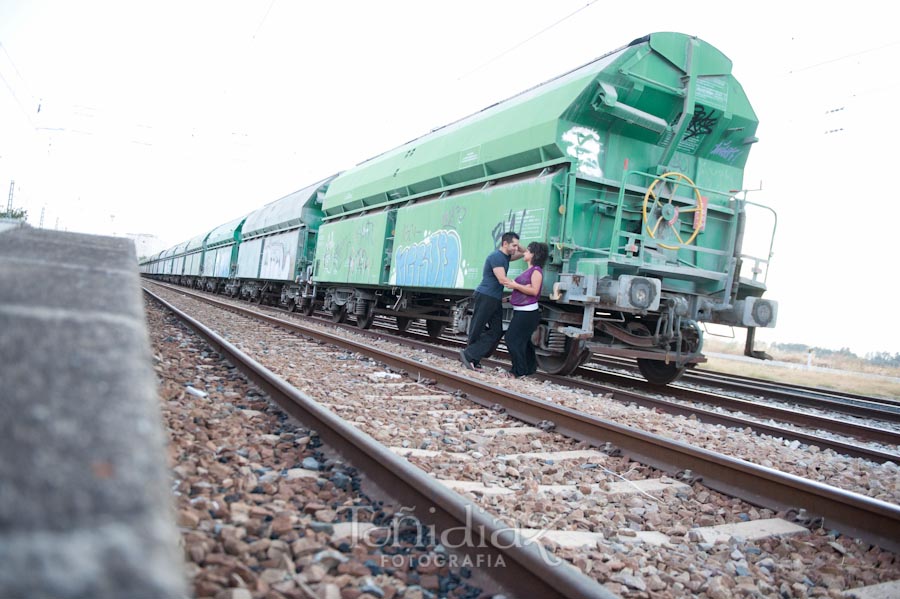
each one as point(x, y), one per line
point(845, 373)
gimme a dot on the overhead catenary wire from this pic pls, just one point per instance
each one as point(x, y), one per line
point(842, 57)
point(850, 92)
point(525, 41)
point(12, 90)
point(263, 20)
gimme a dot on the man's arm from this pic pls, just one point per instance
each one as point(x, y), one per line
point(500, 273)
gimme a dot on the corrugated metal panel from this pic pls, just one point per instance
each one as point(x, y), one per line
point(179, 249)
point(248, 259)
point(352, 251)
point(225, 233)
point(279, 256)
point(520, 125)
point(291, 211)
point(196, 243)
point(222, 261)
point(178, 258)
point(192, 264)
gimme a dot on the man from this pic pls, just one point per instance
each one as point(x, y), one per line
point(486, 327)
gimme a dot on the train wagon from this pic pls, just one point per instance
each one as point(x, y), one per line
point(169, 266)
point(220, 254)
point(629, 167)
point(178, 259)
point(276, 250)
point(148, 265)
point(193, 261)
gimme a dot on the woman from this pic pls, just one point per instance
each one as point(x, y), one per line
point(526, 311)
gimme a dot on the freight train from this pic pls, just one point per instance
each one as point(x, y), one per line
point(630, 168)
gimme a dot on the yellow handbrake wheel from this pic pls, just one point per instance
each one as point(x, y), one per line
point(668, 212)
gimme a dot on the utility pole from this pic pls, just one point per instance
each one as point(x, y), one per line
point(9, 205)
point(41, 225)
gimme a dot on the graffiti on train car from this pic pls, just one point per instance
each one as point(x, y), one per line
point(528, 224)
point(332, 255)
point(583, 144)
point(432, 262)
point(276, 259)
point(359, 261)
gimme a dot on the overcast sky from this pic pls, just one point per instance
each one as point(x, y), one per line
point(172, 117)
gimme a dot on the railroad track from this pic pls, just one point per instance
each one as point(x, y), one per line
point(678, 400)
point(652, 396)
point(854, 404)
point(649, 396)
point(750, 393)
point(525, 567)
point(875, 521)
point(748, 390)
point(610, 369)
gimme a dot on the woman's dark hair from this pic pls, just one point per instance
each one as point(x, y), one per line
point(539, 252)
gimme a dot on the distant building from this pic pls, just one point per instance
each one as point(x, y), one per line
point(11, 223)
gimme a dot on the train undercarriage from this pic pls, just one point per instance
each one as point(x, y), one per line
point(664, 342)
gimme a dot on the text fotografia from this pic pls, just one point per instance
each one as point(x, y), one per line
point(451, 560)
point(469, 545)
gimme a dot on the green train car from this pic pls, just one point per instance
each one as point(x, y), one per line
point(629, 167)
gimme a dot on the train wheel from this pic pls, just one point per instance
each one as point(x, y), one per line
point(434, 328)
point(365, 320)
point(339, 314)
point(308, 307)
point(292, 305)
point(658, 372)
point(402, 323)
point(564, 364)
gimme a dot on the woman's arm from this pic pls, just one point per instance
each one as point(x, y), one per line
point(534, 286)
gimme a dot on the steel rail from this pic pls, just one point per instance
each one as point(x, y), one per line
point(873, 520)
point(815, 421)
point(652, 401)
point(525, 571)
point(790, 391)
point(761, 410)
point(852, 404)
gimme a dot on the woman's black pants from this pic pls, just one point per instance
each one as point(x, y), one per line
point(518, 341)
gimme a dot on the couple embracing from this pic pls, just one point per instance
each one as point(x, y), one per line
point(486, 327)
